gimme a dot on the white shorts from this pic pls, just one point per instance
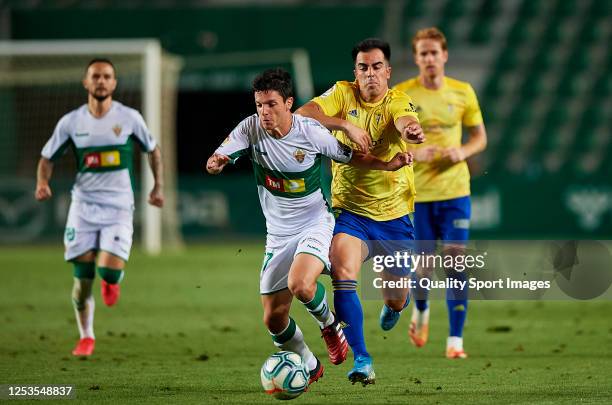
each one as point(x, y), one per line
point(98, 227)
point(280, 252)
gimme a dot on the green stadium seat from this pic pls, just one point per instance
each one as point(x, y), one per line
point(414, 9)
point(530, 8)
point(519, 32)
point(553, 33)
point(446, 25)
point(602, 85)
point(521, 115)
point(493, 88)
point(481, 32)
point(489, 9)
point(567, 86)
point(532, 86)
point(542, 63)
point(507, 60)
point(453, 9)
point(555, 117)
point(593, 115)
point(565, 8)
point(601, 8)
point(591, 31)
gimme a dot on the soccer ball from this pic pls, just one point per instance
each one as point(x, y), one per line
point(284, 375)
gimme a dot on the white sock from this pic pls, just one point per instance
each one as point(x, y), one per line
point(296, 344)
point(420, 317)
point(455, 342)
point(84, 306)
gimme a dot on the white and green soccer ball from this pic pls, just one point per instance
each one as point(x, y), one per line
point(284, 375)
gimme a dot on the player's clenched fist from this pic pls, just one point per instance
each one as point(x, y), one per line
point(156, 197)
point(454, 155)
point(43, 192)
point(216, 163)
point(426, 154)
point(400, 160)
point(413, 133)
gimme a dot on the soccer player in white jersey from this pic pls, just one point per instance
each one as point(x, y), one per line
point(99, 228)
point(286, 150)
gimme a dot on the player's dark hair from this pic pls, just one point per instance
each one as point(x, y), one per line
point(101, 60)
point(274, 79)
point(369, 44)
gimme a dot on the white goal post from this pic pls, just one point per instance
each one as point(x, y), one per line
point(150, 52)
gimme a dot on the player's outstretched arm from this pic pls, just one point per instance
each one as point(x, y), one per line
point(43, 175)
point(368, 161)
point(410, 129)
point(354, 133)
point(216, 163)
point(156, 196)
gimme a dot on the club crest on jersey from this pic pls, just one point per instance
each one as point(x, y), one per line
point(299, 155)
point(353, 113)
point(226, 141)
point(117, 129)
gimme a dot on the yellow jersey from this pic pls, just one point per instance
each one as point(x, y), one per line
point(442, 113)
point(379, 195)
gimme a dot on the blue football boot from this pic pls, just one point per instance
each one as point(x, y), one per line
point(362, 371)
point(388, 317)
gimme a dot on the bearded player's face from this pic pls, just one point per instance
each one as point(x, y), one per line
point(100, 80)
point(272, 109)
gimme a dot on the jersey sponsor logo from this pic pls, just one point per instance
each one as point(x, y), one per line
point(285, 185)
point(81, 134)
point(353, 113)
point(378, 142)
point(102, 159)
point(117, 129)
point(299, 155)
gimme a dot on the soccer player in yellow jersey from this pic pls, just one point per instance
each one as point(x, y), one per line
point(370, 206)
point(442, 209)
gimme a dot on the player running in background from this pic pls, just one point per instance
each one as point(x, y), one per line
point(102, 134)
point(286, 150)
point(441, 174)
point(370, 205)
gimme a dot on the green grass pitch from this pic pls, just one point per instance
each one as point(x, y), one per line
point(188, 329)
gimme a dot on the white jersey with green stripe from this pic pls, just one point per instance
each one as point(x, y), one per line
point(103, 148)
point(287, 170)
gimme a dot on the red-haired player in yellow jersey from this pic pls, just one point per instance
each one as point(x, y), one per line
point(442, 177)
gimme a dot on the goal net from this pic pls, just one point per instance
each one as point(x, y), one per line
point(40, 81)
